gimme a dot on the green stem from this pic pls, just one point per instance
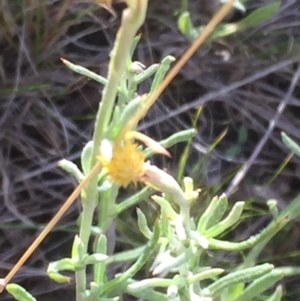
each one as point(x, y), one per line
point(186, 219)
point(107, 211)
point(134, 199)
point(132, 19)
point(84, 233)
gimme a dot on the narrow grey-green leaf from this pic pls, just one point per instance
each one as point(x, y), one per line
point(260, 285)
point(291, 144)
point(19, 293)
point(259, 15)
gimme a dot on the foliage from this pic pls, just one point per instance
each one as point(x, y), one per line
point(177, 244)
point(255, 18)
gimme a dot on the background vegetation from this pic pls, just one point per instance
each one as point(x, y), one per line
point(47, 112)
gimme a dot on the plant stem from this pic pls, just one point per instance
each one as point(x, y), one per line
point(132, 19)
point(84, 234)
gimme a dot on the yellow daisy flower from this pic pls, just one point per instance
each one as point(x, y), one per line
point(123, 161)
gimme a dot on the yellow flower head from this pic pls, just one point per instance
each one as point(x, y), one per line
point(123, 161)
point(126, 163)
